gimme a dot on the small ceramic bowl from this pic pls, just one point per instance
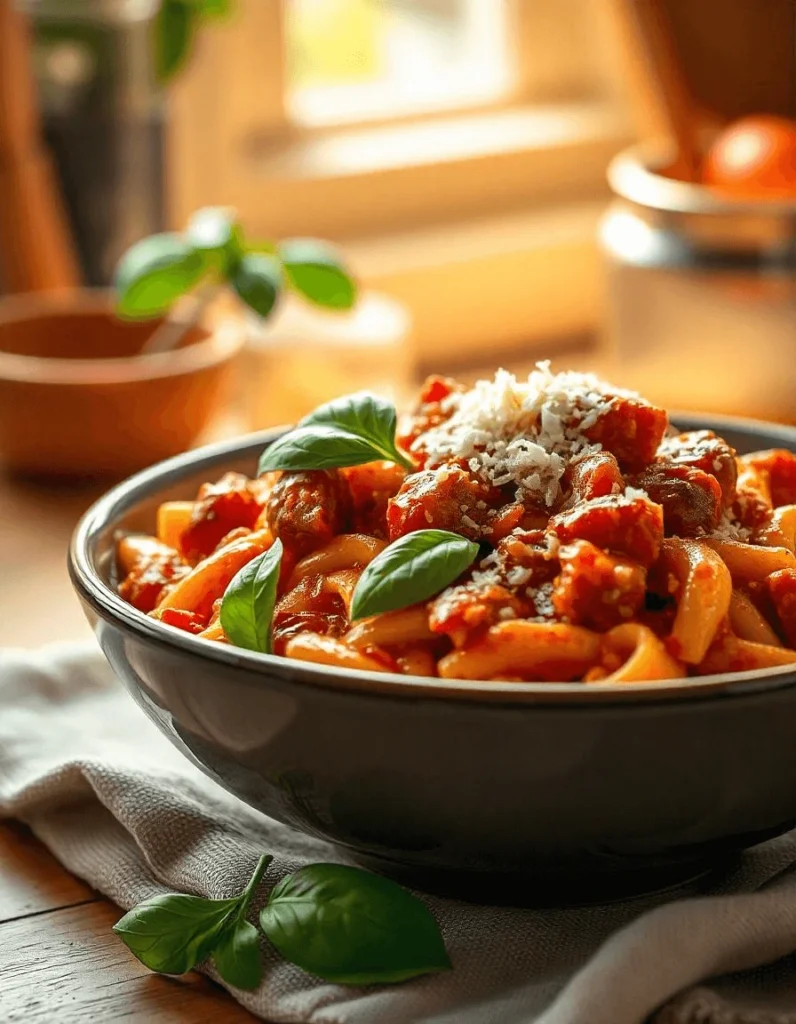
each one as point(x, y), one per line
point(78, 400)
point(492, 790)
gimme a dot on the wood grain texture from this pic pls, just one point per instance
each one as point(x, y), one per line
point(31, 879)
point(68, 966)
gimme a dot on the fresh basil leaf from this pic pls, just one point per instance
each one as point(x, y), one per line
point(411, 569)
point(257, 280)
point(352, 927)
point(247, 606)
point(363, 414)
point(154, 273)
point(314, 269)
point(215, 231)
point(214, 8)
point(173, 933)
point(173, 28)
point(348, 431)
point(237, 955)
point(316, 448)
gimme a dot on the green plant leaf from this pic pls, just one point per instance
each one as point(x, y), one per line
point(247, 606)
point(216, 232)
point(317, 448)
point(413, 568)
point(348, 431)
point(315, 270)
point(257, 280)
point(154, 273)
point(237, 955)
point(214, 8)
point(173, 933)
point(352, 927)
point(173, 29)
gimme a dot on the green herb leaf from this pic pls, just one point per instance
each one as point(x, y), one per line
point(247, 606)
point(215, 8)
point(154, 273)
point(173, 933)
point(411, 569)
point(257, 280)
point(215, 231)
point(352, 927)
point(173, 29)
point(316, 271)
point(349, 431)
point(237, 955)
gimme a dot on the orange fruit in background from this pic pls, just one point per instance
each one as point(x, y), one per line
point(754, 158)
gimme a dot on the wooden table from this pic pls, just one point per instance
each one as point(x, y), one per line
point(59, 959)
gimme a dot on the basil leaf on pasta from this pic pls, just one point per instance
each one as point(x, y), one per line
point(247, 606)
point(349, 431)
point(352, 927)
point(411, 569)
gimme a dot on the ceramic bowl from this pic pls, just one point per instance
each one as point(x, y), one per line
point(77, 399)
point(484, 789)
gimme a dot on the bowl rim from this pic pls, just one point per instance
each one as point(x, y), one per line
point(222, 341)
point(110, 606)
point(633, 175)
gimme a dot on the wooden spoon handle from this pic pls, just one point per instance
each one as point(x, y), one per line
point(36, 252)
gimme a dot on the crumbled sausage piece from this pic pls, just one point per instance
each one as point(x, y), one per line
point(307, 509)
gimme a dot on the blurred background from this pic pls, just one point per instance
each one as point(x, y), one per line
point(610, 184)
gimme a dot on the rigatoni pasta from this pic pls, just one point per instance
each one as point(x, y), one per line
point(594, 541)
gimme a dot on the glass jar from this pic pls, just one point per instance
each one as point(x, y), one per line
point(701, 293)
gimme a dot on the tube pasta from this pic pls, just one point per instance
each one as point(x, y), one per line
point(525, 650)
point(344, 552)
point(748, 622)
point(749, 563)
point(609, 550)
point(392, 629)
point(325, 650)
point(644, 655)
point(705, 591)
point(197, 591)
point(780, 530)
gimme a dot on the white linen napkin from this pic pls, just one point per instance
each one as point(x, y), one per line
point(121, 808)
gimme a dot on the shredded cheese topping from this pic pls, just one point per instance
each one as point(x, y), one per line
point(522, 432)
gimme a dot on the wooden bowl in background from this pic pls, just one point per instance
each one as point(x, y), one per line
point(76, 398)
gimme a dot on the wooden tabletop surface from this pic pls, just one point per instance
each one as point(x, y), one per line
point(59, 960)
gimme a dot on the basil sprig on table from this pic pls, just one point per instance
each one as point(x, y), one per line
point(247, 606)
point(411, 569)
point(338, 923)
point(173, 933)
point(349, 431)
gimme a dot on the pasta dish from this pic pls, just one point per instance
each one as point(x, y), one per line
point(550, 529)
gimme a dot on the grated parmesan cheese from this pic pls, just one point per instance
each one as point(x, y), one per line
point(729, 529)
point(521, 433)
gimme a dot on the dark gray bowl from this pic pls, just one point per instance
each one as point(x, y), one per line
point(477, 788)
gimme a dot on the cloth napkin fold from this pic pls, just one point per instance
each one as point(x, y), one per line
point(121, 808)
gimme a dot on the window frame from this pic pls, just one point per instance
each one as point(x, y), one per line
point(542, 148)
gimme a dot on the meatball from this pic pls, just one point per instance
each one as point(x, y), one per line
point(630, 429)
point(625, 526)
point(447, 498)
point(691, 499)
point(701, 449)
point(474, 605)
point(144, 584)
point(220, 508)
point(596, 589)
point(307, 509)
point(593, 475)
